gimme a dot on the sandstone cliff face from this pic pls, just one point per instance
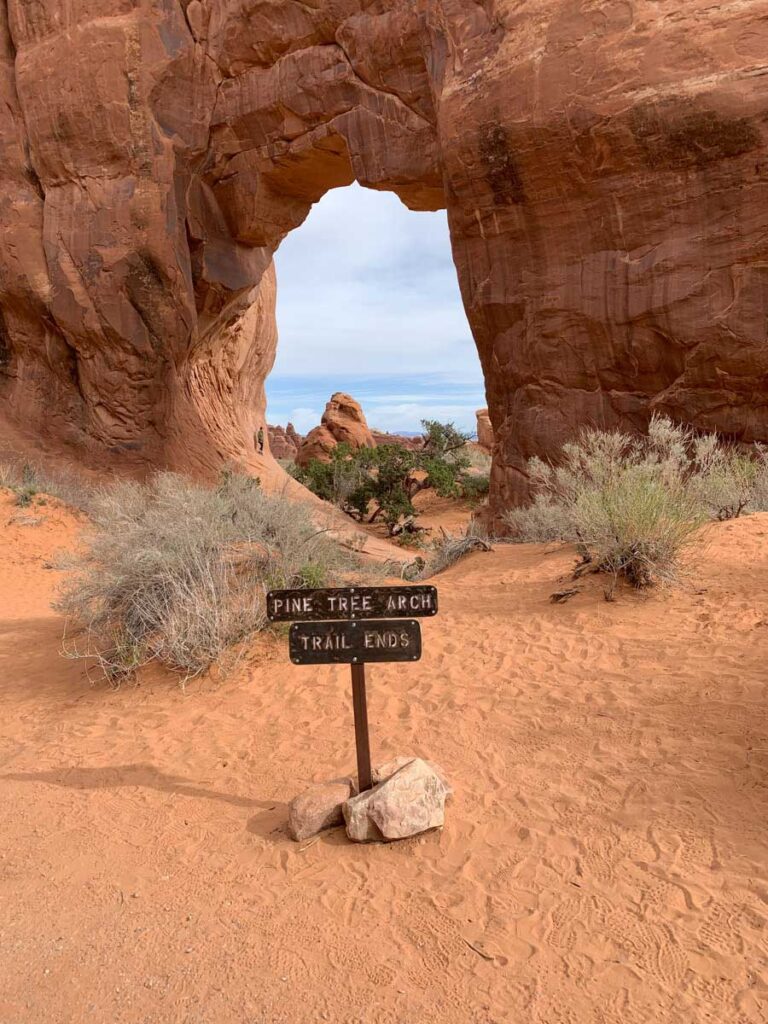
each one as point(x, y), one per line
point(343, 422)
point(485, 436)
point(602, 163)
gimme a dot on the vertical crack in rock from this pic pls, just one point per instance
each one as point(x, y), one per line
point(5, 349)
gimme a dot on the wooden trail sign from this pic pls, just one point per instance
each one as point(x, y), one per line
point(354, 625)
point(350, 643)
point(348, 603)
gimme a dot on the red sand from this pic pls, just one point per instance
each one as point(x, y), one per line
point(604, 860)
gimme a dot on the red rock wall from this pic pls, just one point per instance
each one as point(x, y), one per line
point(485, 436)
point(602, 162)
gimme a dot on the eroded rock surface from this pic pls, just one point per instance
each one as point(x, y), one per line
point(484, 430)
point(343, 422)
point(284, 442)
point(400, 440)
point(602, 165)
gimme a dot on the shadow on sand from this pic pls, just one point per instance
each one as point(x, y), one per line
point(143, 775)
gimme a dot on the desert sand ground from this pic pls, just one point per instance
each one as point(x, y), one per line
point(449, 514)
point(604, 858)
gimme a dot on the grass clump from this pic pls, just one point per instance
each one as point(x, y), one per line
point(31, 482)
point(176, 572)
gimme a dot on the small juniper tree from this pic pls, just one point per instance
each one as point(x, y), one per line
point(381, 483)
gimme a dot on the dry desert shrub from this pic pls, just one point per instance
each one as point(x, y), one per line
point(759, 501)
point(545, 519)
point(31, 482)
point(631, 504)
point(446, 551)
point(177, 572)
point(728, 479)
point(479, 460)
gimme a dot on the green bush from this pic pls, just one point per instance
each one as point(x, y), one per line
point(178, 572)
point(475, 486)
point(381, 483)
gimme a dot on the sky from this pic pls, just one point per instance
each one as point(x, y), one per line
point(368, 303)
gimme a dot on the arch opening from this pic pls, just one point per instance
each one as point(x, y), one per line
point(368, 305)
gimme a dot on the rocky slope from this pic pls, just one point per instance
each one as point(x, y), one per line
point(602, 165)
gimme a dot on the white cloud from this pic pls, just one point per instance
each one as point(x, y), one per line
point(368, 303)
point(303, 419)
point(367, 287)
point(407, 416)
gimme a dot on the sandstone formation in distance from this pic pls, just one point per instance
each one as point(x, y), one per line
point(343, 422)
point(284, 442)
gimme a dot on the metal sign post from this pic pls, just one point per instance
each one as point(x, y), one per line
point(354, 626)
point(362, 739)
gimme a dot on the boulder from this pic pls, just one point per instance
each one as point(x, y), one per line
point(343, 422)
point(318, 444)
point(318, 808)
point(389, 768)
point(360, 827)
point(407, 802)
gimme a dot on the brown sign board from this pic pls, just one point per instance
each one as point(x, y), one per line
point(354, 643)
point(347, 603)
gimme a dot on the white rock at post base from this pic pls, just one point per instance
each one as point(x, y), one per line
point(360, 828)
point(406, 803)
point(387, 770)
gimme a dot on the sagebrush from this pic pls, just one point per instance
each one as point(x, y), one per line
point(632, 504)
point(174, 571)
point(31, 482)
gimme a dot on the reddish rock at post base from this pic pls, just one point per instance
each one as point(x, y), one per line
point(602, 165)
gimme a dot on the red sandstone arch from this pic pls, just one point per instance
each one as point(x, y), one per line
point(602, 163)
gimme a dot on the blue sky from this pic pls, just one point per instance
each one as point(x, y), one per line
point(368, 303)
